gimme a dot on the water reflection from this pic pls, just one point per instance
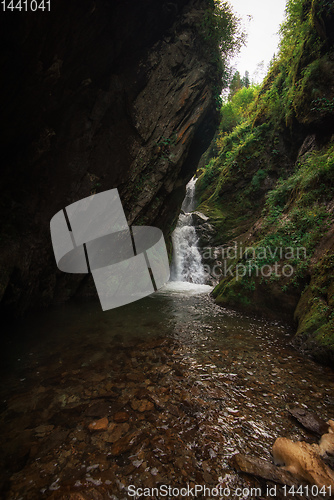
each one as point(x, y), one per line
point(196, 384)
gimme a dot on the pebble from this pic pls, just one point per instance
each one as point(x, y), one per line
point(121, 416)
point(99, 425)
point(155, 428)
point(142, 405)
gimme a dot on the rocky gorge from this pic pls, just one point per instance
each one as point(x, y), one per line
point(97, 95)
point(268, 187)
point(205, 382)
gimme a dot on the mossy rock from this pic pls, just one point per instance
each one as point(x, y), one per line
point(314, 99)
point(257, 296)
point(315, 310)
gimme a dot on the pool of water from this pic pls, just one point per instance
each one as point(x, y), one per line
point(177, 384)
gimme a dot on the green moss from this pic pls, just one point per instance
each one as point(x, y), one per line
point(232, 293)
point(314, 319)
point(232, 187)
point(255, 191)
point(325, 335)
point(315, 311)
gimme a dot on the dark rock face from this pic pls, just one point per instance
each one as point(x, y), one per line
point(96, 95)
point(205, 231)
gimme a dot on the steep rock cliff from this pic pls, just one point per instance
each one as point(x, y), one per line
point(96, 95)
point(271, 187)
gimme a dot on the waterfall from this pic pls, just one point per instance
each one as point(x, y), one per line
point(187, 262)
point(189, 202)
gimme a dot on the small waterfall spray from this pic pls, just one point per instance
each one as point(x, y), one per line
point(187, 262)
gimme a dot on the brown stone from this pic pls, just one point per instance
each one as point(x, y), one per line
point(41, 430)
point(261, 468)
point(124, 444)
point(116, 431)
point(142, 405)
point(121, 416)
point(99, 425)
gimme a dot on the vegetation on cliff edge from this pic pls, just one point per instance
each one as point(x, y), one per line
point(271, 183)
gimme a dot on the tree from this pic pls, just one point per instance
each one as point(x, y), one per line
point(238, 108)
point(235, 84)
point(245, 80)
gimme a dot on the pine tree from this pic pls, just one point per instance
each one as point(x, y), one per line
point(235, 84)
point(246, 80)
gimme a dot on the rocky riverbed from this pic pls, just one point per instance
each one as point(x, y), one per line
point(165, 393)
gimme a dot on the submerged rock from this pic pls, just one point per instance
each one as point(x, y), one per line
point(121, 416)
point(142, 405)
point(309, 420)
point(262, 468)
point(99, 425)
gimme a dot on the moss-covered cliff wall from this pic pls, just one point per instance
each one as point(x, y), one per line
point(97, 95)
point(271, 187)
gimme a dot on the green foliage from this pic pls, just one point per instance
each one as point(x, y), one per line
point(312, 182)
point(238, 83)
point(229, 118)
point(315, 310)
point(165, 141)
point(209, 175)
point(220, 28)
point(253, 189)
point(294, 21)
point(222, 37)
point(295, 213)
point(295, 217)
point(236, 149)
point(244, 99)
point(245, 80)
point(323, 105)
point(238, 108)
point(258, 178)
point(298, 78)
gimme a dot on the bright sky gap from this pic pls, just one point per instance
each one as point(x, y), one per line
point(261, 20)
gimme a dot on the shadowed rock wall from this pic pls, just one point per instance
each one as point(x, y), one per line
point(96, 95)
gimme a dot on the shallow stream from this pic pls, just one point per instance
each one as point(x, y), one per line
point(181, 385)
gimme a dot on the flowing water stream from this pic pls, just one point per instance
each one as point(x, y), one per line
point(187, 261)
point(175, 384)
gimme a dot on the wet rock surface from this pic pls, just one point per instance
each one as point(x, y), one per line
point(310, 421)
point(91, 410)
point(263, 469)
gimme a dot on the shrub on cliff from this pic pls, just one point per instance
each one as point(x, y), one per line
point(220, 31)
point(237, 109)
point(271, 184)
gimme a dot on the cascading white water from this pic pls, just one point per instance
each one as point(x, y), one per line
point(189, 202)
point(187, 262)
